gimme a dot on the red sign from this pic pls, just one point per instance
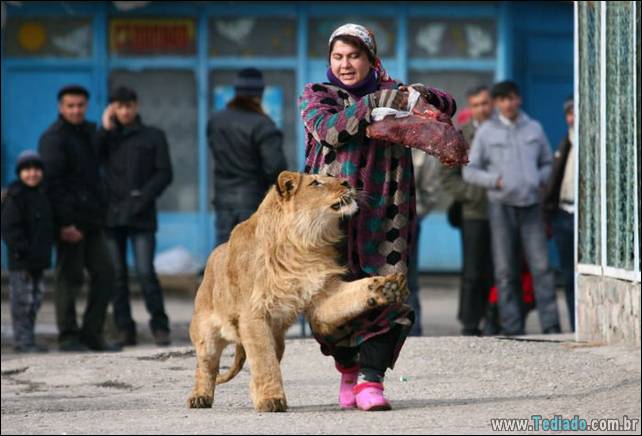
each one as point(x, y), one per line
point(151, 36)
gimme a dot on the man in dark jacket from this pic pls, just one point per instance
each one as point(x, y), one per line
point(28, 230)
point(559, 208)
point(248, 154)
point(76, 192)
point(138, 168)
point(477, 269)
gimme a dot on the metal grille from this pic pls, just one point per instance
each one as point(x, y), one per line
point(589, 133)
point(620, 134)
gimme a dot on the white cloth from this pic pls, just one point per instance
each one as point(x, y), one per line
point(567, 189)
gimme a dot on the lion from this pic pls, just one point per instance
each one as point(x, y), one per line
point(278, 264)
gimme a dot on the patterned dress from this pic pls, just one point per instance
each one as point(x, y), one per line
point(380, 235)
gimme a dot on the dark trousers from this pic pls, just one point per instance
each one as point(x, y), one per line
point(144, 244)
point(413, 283)
point(374, 356)
point(509, 226)
point(26, 291)
point(227, 219)
point(477, 272)
point(563, 223)
point(72, 259)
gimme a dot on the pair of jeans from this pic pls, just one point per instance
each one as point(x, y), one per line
point(26, 290)
point(144, 244)
point(227, 219)
point(90, 253)
point(413, 283)
point(563, 232)
point(510, 225)
point(477, 272)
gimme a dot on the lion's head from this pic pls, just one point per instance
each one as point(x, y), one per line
point(314, 204)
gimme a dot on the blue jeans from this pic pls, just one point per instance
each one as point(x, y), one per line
point(227, 219)
point(508, 223)
point(563, 223)
point(144, 243)
point(26, 290)
point(413, 283)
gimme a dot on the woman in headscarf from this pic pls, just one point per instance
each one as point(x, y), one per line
point(379, 236)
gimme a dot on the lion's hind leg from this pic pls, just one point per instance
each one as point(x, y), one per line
point(209, 346)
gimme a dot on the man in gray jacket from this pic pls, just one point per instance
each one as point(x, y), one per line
point(247, 148)
point(511, 158)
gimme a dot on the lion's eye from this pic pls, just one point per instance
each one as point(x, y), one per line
point(314, 183)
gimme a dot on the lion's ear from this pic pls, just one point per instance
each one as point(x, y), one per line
point(288, 183)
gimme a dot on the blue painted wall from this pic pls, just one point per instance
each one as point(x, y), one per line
point(534, 47)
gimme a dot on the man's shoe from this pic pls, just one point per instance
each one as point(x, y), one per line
point(552, 330)
point(471, 331)
point(103, 346)
point(73, 346)
point(161, 338)
point(31, 348)
point(126, 338)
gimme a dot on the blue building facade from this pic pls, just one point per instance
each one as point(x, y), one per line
point(182, 57)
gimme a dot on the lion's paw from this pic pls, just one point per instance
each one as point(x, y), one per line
point(387, 290)
point(200, 401)
point(272, 405)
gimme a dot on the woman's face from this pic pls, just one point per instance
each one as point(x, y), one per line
point(348, 63)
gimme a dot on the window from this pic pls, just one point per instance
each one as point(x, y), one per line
point(251, 36)
point(473, 39)
point(608, 221)
point(589, 133)
point(46, 37)
point(620, 134)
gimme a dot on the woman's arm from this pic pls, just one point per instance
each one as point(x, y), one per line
point(334, 125)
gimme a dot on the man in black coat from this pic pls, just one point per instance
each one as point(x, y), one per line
point(247, 148)
point(138, 168)
point(559, 208)
point(76, 191)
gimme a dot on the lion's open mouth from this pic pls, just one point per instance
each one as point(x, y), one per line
point(345, 201)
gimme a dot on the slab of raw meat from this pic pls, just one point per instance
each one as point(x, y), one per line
point(427, 129)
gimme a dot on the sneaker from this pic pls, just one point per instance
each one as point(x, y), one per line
point(348, 382)
point(161, 338)
point(73, 346)
point(369, 397)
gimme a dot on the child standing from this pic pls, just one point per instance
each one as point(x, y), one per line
point(28, 231)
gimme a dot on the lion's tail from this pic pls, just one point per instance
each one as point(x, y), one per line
point(239, 360)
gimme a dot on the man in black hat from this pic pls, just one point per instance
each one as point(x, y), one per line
point(247, 148)
point(138, 169)
point(77, 195)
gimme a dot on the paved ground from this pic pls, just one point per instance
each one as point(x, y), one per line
point(450, 384)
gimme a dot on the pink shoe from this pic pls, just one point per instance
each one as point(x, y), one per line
point(369, 397)
point(348, 382)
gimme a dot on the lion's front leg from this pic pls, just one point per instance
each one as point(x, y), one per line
point(347, 300)
point(266, 385)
